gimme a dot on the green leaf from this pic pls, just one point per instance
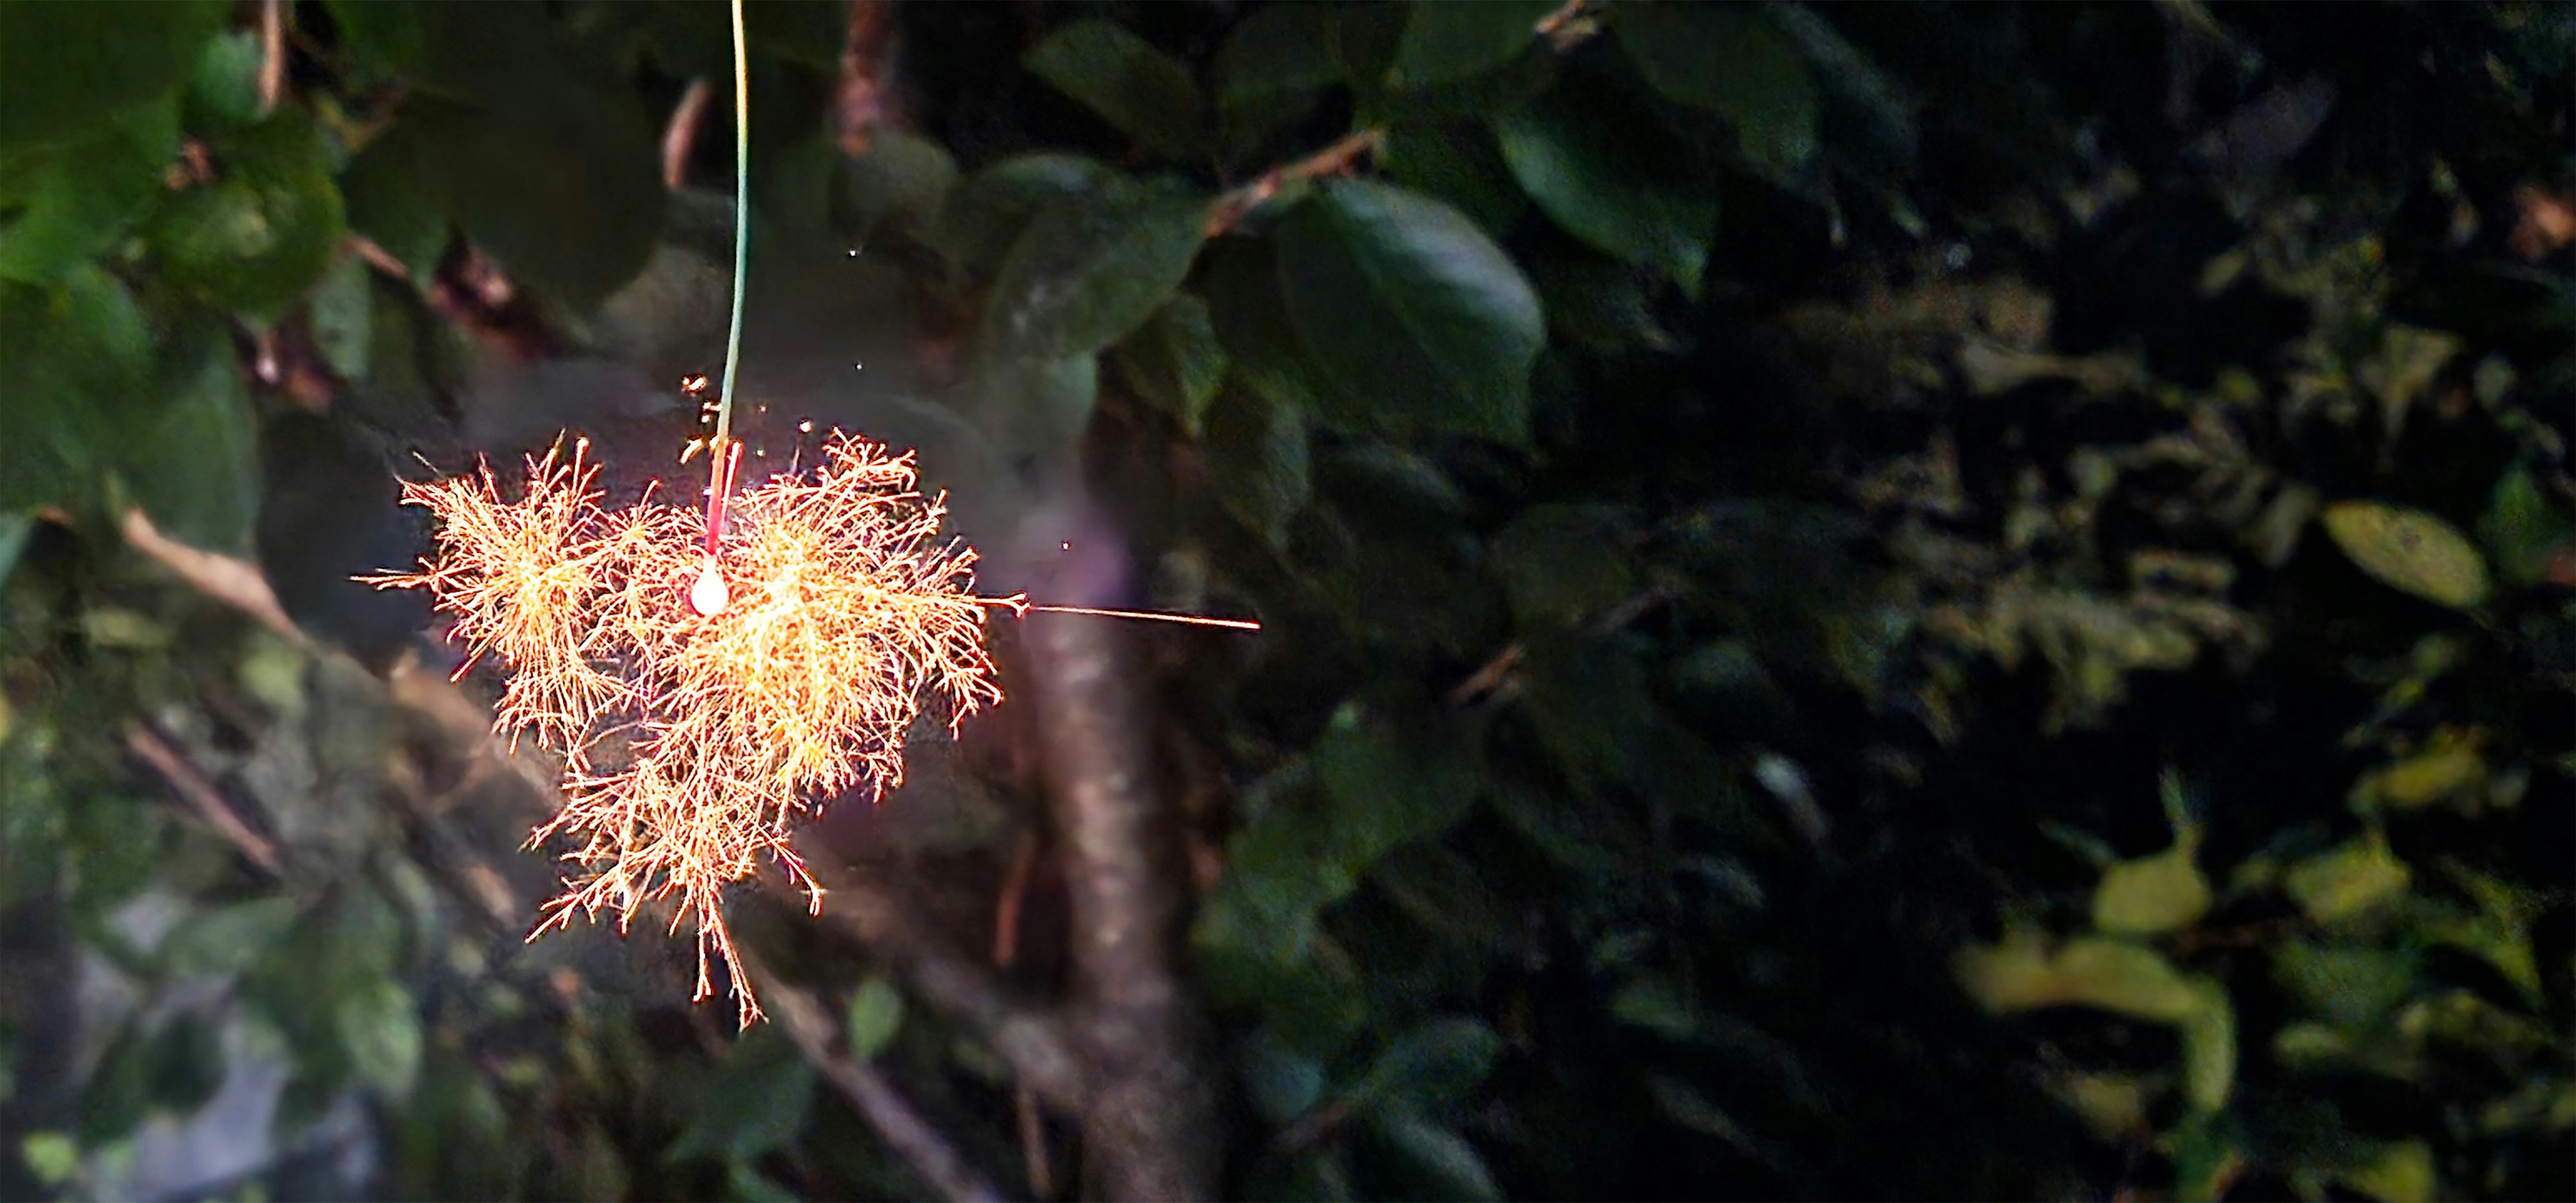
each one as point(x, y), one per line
point(81, 197)
point(259, 235)
point(1280, 49)
point(2209, 1051)
point(343, 317)
point(1146, 94)
point(1087, 273)
point(1429, 1068)
point(1734, 61)
point(66, 69)
point(389, 203)
point(186, 1059)
point(1240, 280)
point(2401, 1173)
point(2522, 530)
point(981, 221)
point(1447, 41)
point(2449, 766)
point(2354, 988)
point(2352, 879)
point(2022, 974)
point(1863, 113)
point(567, 193)
point(84, 353)
point(1258, 463)
point(380, 1027)
point(2409, 550)
point(1407, 306)
point(1563, 563)
point(901, 176)
point(1457, 162)
point(1174, 362)
point(2151, 895)
point(1440, 1153)
point(1634, 196)
point(876, 1013)
point(1035, 410)
point(224, 941)
point(223, 94)
point(192, 462)
point(756, 1101)
point(50, 1156)
point(1284, 1083)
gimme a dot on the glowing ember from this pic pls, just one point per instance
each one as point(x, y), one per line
point(703, 694)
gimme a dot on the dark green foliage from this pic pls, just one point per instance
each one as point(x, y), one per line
point(1859, 601)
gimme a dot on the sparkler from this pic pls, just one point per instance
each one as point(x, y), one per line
point(710, 678)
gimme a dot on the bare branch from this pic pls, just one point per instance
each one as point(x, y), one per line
point(866, 97)
point(1336, 159)
point(681, 136)
point(191, 785)
point(808, 1023)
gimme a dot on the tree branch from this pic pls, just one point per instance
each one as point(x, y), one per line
point(807, 1022)
point(1147, 1106)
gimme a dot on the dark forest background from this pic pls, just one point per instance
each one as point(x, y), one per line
point(1912, 600)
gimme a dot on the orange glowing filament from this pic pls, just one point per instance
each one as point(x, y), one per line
point(709, 677)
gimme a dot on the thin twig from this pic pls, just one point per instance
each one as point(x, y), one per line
point(1336, 159)
point(1033, 1143)
point(808, 1023)
point(272, 55)
point(680, 137)
point(191, 785)
point(1015, 890)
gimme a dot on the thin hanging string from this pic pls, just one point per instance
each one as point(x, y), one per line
point(725, 456)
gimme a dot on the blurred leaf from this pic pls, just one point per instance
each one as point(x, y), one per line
point(756, 1101)
point(2347, 881)
point(1860, 105)
point(187, 1064)
point(566, 192)
point(876, 1013)
point(380, 1025)
point(1249, 310)
point(79, 199)
point(393, 209)
point(50, 1156)
point(1444, 42)
point(1086, 273)
point(1403, 302)
point(2022, 974)
point(1445, 1157)
point(192, 462)
point(2521, 529)
point(2409, 550)
point(68, 68)
point(2209, 1051)
point(343, 317)
point(1430, 1068)
point(1732, 60)
point(225, 940)
point(983, 217)
point(2353, 988)
point(2449, 765)
point(1147, 94)
point(1277, 49)
point(1284, 1083)
point(85, 351)
point(902, 175)
point(1036, 410)
point(1561, 564)
point(223, 93)
point(1173, 362)
point(260, 234)
point(2151, 895)
point(1634, 196)
point(1457, 162)
point(2401, 1173)
point(1258, 464)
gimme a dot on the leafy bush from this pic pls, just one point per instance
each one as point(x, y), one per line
point(1858, 601)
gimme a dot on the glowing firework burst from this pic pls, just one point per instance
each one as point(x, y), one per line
point(705, 694)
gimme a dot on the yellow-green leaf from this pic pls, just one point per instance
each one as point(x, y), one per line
point(2445, 768)
point(2347, 881)
point(2209, 1050)
point(2410, 550)
point(2021, 974)
point(2151, 894)
point(2402, 1173)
